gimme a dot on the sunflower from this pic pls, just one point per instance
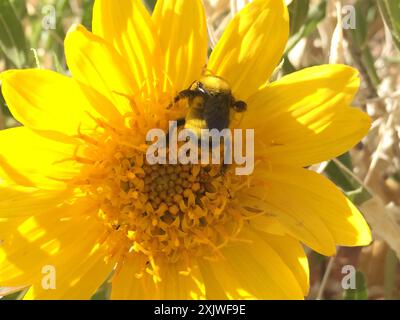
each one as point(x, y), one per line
point(77, 192)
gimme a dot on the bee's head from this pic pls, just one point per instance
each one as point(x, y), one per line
point(212, 85)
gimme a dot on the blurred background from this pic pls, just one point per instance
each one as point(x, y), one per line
point(361, 33)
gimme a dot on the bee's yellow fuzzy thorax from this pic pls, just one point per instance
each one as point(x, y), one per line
point(215, 84)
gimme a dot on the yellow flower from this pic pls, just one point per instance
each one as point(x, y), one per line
point(78, 195)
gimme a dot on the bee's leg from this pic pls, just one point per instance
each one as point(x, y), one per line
point(180, 122)
point(183, 95)
point(239, 106)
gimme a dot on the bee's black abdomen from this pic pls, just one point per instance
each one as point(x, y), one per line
point(216, 112)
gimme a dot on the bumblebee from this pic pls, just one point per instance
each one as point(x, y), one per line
point(210, 101)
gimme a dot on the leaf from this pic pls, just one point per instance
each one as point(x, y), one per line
point(316, 15)
point(360, 292)
point(104, 292)
point(359, 196)
point(12, 293)
point(87, 13)
point(287, 67)
point(359, 34)
point(3, 105)
point(298, 11)
point(391, 263)
point(150, 4)
point(369, 62)
point(12, 38)
point(338, 176)
point(2, 117)
point(352, 188)
point(390, 11)
point(20, 8)
point(57, 64)
point(365, 12)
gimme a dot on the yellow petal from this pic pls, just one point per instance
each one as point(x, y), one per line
point(268, 224)
point(305, 117)
point(29, 159)
point(323, 199)
point(24, 202)
point(129, 28)
point(268, 197)
point(45, 100)
point(62, 237)
point(182, 30)
point(78, 279)
point(131, 283)
point(251, 46)
point(251, 269)
point(97, 64)
point(292, 253)
point(178, 283)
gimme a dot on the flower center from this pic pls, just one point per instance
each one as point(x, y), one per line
point(163, 213)
point(167, 211)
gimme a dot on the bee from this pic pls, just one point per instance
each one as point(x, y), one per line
point(210, 102)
